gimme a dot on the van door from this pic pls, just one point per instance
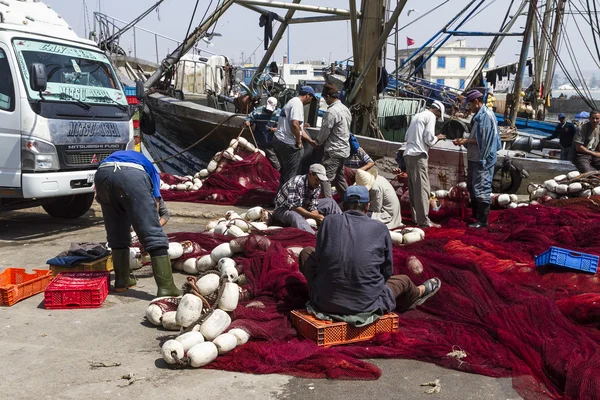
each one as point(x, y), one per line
point(10, 125)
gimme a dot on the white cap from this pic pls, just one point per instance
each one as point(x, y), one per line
point(440, 106)
point(271, 103)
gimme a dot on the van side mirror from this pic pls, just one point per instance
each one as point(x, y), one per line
point(139, 89)
point(37, 77)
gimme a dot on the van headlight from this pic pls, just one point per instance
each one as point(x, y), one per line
point(37, 155)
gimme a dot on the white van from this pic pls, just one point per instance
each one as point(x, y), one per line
point(62, 111)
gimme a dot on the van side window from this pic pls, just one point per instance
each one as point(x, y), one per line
point(7, 87)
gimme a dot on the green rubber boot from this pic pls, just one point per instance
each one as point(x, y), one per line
point(124, 279)
point(163, 275)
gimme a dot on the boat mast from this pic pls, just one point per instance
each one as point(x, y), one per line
point(496, 42)
point(522, 63)
point(541, 61)
point(371, 40)
point(551, 65)
point(187, 44)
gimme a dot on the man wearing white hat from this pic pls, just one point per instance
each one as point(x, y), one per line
point(265, 120)
point(420, 136)
point(385, 206)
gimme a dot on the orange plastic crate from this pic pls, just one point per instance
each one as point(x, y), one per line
point(16, 284)
point(327, 333)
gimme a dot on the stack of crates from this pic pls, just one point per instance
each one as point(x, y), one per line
point(133, 102)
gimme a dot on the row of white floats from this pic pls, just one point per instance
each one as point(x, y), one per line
point(219, 160)
point(561, 187)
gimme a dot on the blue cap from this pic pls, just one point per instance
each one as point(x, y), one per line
point(308, 90)
point(357, 191)
point(561, 115)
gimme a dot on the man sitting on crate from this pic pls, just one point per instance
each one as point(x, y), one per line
point(349, 274)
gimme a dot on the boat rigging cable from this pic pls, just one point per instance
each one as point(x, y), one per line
point(561, 63)
point(589, 11)
point(580, 76)
point(583, 38)
point(191, 21)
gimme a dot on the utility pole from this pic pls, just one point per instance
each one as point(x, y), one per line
point(522, 63)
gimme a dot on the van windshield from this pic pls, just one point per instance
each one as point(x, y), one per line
point(73, 74)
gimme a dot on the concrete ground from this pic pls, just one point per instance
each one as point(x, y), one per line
point(47, 354)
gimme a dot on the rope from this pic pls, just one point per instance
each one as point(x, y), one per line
point(197, 142)
point(362, 109)
point(192, 284)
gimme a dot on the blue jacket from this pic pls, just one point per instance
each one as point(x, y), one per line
point(488, 135)
point(137, 158)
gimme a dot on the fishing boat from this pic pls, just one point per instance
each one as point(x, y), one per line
point(185, 133)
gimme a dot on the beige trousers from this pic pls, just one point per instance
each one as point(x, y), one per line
point(417, 170)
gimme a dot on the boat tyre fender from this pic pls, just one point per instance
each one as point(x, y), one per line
point(508, 177)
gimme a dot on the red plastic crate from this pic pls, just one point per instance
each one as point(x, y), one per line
point(132, 100)
point(16, 284)
point(77, 290)
point(329, 333)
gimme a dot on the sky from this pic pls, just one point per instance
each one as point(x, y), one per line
point(323, 41)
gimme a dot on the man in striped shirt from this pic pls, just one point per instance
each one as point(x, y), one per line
point(265, 120)
point(359, 160)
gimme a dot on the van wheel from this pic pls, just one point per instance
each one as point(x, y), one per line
point(69, 207)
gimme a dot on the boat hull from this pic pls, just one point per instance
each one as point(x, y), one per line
point(180, 124)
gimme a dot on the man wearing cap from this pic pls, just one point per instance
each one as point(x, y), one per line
point(420, 136)
point(289, 134)
point(565, 131)
point(335, 137)
point(265, 120)
point(298, 199)
point(385, 206)
point(349, 273)
point(482, 145)
point(587, 145)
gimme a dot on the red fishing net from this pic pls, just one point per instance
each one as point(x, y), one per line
point(250, 182)
point(539, 326)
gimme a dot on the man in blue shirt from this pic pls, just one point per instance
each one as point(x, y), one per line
point(482, 145)
point(350, 273)
point(128, 189)
point(265, 124)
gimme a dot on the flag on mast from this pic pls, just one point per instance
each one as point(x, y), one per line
point(409, 41)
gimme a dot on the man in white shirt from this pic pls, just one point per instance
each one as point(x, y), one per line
point(290, 132)
point(420, 136)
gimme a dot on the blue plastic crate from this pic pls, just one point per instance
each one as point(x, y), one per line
point(560, 257)
point(129, 91)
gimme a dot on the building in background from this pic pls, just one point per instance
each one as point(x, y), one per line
point(452, 65)
point(292, 74)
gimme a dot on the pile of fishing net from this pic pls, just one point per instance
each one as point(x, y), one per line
point(247, 181)
point(496, 314)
